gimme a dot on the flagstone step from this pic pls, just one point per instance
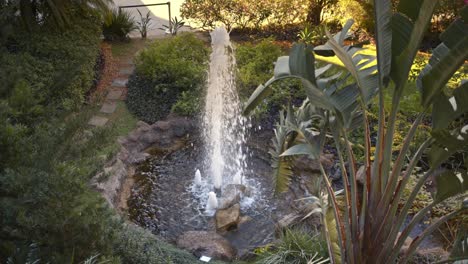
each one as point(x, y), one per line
point(98, 121)
point(108, 107)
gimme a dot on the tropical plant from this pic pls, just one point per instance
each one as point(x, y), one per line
point(143, 24)
point(174, 26)
point(36, 12)
point(117, 25)
point(315, 35)
point(295, 246)
point(369, 224)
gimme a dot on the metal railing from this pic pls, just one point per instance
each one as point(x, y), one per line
point(158, 4)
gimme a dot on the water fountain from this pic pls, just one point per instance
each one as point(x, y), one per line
point(212, 203)
point(197, 180)
point(181, 191)
point(224, 127)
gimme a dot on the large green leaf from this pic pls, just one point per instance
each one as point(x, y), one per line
point(366, 78)
point(447, 109)
point(446, 144)
point(383, 36)
point(445, 61)
point(450, 184)
point(326, 50)
point(408, 28)
point(302, 149)
point(302, 62)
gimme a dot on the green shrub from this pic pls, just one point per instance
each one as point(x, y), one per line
point(187, 104)
point(136, 245)
point(43, 74)
point(117, 25)
point(46, 198)
point(58, 66)
point(164, 71)
point(255, 65)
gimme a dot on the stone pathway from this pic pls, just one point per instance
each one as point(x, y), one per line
point(116, 92)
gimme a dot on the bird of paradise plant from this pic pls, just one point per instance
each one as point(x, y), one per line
point(370, 226)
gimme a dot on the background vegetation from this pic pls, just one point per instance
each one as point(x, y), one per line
point(170, 71)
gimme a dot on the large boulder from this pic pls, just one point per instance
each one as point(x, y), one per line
point(227, 219)
point(205, 243)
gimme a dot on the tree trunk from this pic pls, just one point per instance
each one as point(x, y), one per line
point(314, 14)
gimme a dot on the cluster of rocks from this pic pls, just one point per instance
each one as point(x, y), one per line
point(227, 217)
point(168, 135)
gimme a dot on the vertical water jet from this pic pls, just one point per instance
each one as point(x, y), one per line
point(224, 127)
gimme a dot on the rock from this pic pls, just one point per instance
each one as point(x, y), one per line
point(161, 125)
point(406, 244)
point(227, 219)
point(180, 126)
point(110, 186)
point(139, 157)
point(231, 195)
point(207, 244)
point(360, 174)
point(133, 136)
point(303, 163)
point(150, 137)
point(287, 221)
point(143, 125)
point(244, 219)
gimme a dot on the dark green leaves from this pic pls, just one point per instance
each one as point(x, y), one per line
point(408, 28)
point(383, 33)
point(445, 61)
point(450, 184)
point(447, 109)
point(301, 62)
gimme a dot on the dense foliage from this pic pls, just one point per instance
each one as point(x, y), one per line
point(42, 74)
point(34, 14)
point(166, 71)
point(242, 13)
point(366, 223)
point(255, 65)
point(294, 246)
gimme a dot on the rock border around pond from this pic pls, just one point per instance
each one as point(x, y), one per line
point(115, 180)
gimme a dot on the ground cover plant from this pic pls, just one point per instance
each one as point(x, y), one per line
point(369, 226)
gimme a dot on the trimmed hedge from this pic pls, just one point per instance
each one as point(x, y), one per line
point(164, 71)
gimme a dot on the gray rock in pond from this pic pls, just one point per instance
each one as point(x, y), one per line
point(205, 243)
point(227, 219)
point(149, 138)
point(139, 157)
point(161, 125)
point(180, 126)
point(143, 126)
point(231, 195)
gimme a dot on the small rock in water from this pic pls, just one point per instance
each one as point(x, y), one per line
point(231, 195)
point(227, 219)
